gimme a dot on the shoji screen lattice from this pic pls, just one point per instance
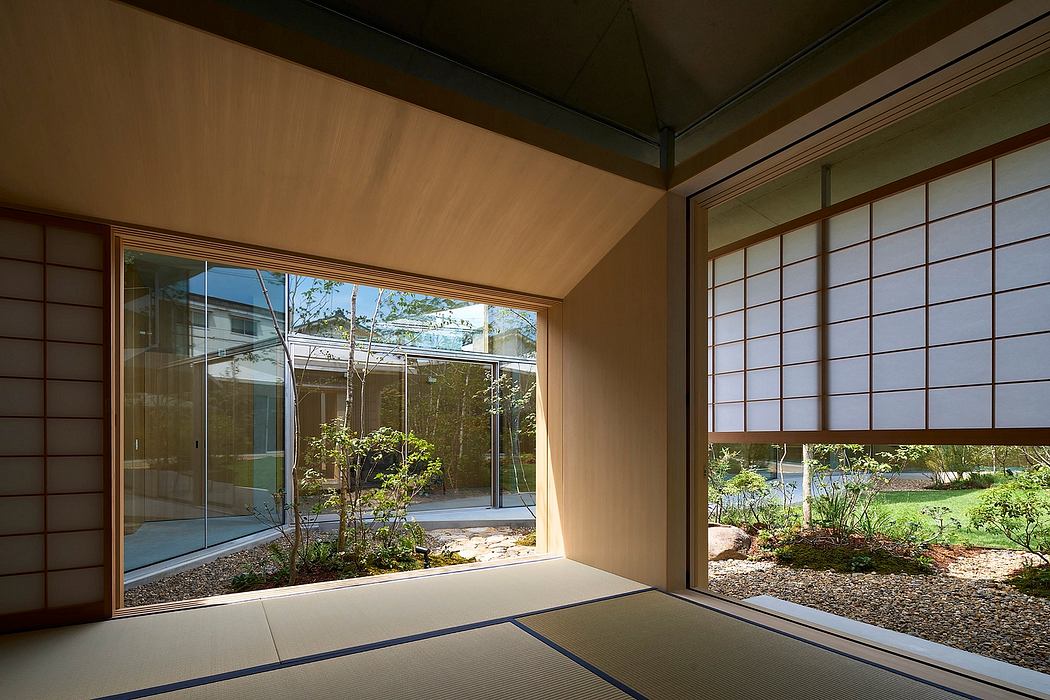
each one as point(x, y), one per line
point(54, 423)
point(928, 309)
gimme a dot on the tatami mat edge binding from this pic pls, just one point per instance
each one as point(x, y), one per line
point(336, 653)
point(654, 645)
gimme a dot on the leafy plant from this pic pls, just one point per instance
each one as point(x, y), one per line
point(385, 470)
point(719, 468)
point(1033, 580)
point(747, 493)
point(1020, 511)
point(949, 463)
point(861, 562)
point(247, 580)
point(845, 501)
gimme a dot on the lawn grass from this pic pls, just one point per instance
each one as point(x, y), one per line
point(908, 504)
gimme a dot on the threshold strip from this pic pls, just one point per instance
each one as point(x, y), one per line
point(585, 664)
point(846, 654)
point(371, 646)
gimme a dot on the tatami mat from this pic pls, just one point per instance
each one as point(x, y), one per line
point(85, 661)
point(315, 623)
point(493, 662)
point(665, 647)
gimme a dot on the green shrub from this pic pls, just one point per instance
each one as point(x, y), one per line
point(1019, 510)
point(248, 580)
point(1033, 580)
point(844, 503)
point(973, 480)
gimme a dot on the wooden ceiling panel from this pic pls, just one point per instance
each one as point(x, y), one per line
point(110, 112)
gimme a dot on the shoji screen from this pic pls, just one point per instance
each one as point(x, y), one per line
point(54, 427)
point(925, 309)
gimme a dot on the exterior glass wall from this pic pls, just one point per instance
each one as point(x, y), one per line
point(517, 425)
point(205, 399)
point(322, 308)
point(204, 405)
point(449, 407)
point(459, 374)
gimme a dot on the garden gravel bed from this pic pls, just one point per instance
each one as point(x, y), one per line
point(213, 578)
point(982, 616)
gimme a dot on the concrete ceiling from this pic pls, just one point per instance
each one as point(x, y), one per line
point(112, 112)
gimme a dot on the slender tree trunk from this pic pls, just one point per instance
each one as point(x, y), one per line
point(362, 376)
point(344, 475)
point(807, 483)
point(297, 532)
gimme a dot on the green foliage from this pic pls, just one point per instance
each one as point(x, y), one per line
point(247, 580)
point(906, 456)
point(975, 480)
point(906, 510)
point(387, 469)
point(1033, 580)
point(950, 462)
point(747, 498)
point(844, 502)
point(1019, 510)
point(719, 468)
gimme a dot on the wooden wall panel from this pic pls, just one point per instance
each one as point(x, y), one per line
point(549, 475)
point(616, 334)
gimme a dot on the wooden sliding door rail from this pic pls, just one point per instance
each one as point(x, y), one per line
point(917, 436)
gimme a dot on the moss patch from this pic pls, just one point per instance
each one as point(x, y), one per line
point(527, 540)
point(851, 557)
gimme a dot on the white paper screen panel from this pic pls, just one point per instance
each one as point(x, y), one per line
point(928, 308)
point(53, 418)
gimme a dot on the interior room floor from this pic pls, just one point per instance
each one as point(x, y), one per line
point(538, 629)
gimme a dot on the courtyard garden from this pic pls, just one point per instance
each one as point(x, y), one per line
point(254, 568)
point(947, 543)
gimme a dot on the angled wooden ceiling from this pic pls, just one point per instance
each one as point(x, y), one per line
point(111, 112)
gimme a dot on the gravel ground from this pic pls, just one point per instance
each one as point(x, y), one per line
point(982, 616)
point(213, 578)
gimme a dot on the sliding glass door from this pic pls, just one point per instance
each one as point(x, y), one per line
point(450, 406)
point(517, 426)
point(204, 405)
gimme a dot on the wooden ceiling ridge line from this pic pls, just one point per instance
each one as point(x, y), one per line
point(982, 155)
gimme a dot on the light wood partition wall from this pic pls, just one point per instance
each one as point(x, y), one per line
point(621, 491)
point(549, 417)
